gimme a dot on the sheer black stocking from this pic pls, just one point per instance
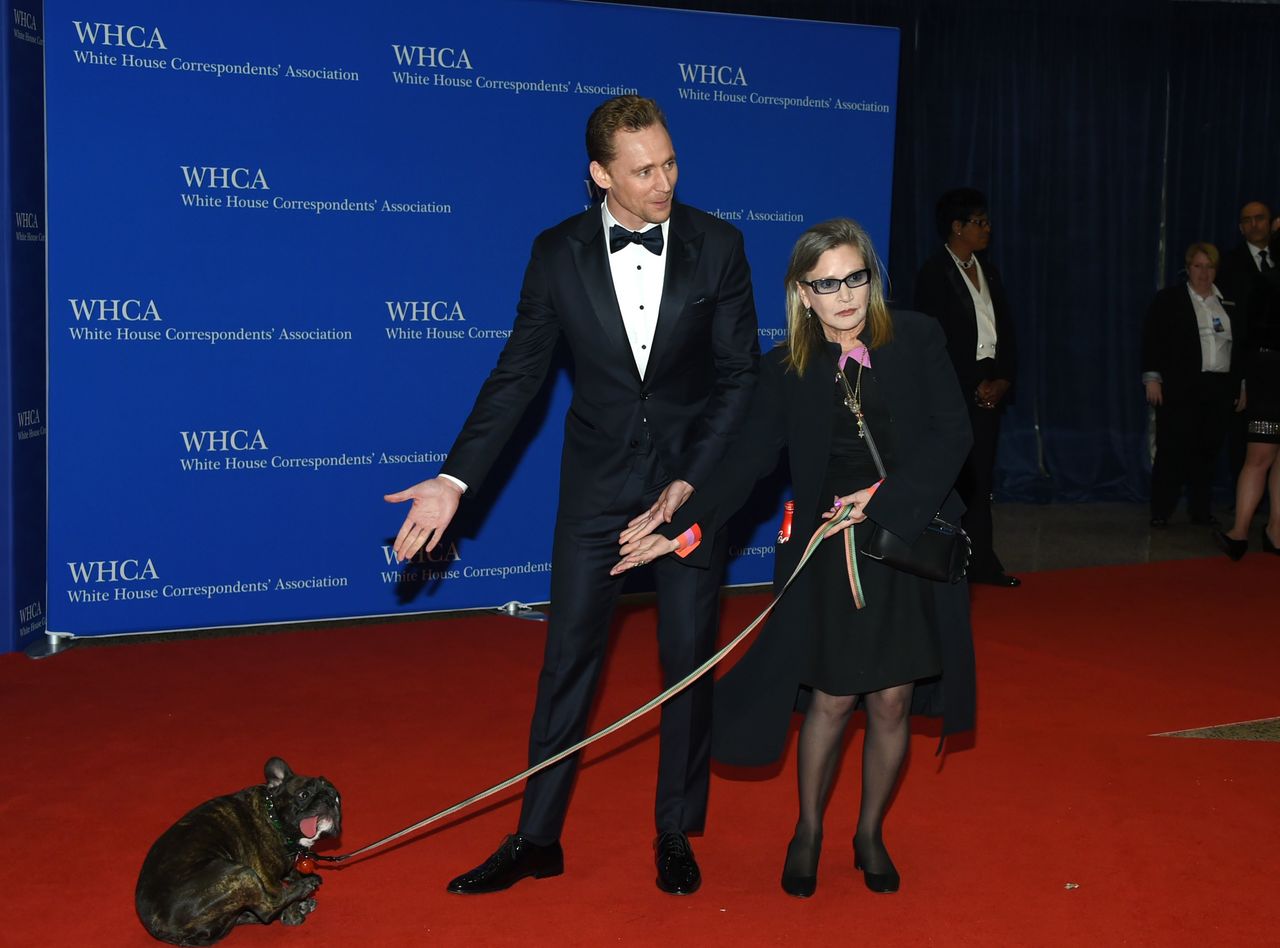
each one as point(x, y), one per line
point(883, 752)
point(818, 758)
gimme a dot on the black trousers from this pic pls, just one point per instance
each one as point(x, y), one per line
point(583, 598)
point(976, 481)
point(1190, 428)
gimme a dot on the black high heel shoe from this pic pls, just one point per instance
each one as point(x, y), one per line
point(1267, 545)
point(801, 880)
point(1233, 548)
point(878, 881)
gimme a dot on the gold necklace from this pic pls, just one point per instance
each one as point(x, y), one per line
point(853, 397)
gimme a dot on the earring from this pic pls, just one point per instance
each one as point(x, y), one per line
point(808, 313)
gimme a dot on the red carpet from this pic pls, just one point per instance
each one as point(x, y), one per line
point(1063, 822)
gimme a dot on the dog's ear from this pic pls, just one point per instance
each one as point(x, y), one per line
point(277, 772)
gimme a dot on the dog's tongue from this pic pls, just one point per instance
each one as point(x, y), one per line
point(309, 826)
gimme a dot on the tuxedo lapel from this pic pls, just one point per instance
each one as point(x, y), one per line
point(592, 261)
point(684, 245)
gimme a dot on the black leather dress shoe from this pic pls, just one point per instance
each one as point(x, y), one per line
point(996, 579)
point(515, 859)
point(677, 869)
point(1233, 548)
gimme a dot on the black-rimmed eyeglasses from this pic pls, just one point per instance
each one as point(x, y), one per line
point(830, 284)
point(978, 221)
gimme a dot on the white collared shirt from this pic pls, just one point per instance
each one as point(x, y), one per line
point(1215, 330)
point(983, 307)
point(638, 276)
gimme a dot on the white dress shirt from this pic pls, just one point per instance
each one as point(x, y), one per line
point(1215, 330)
point(638, 276)
point(984, 309)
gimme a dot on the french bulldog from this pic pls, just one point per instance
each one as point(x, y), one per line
point(230, 861)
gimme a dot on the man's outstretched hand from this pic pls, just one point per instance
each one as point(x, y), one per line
point(435, 501)
point(663, 509)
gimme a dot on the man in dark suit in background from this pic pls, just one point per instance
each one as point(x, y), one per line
point(654, 301)
point(1244, 266)
point(963, 291)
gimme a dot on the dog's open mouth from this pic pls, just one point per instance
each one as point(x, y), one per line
point(312, 828)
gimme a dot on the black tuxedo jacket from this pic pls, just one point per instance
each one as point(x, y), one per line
point(1236, 268)
point(695, 390)
point(931, 438)
point(1242, 282)
point(1171, 341)
point(940, 292)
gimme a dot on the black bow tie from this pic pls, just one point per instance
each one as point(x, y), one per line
point(651, 239)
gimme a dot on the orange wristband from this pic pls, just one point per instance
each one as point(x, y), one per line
point(688, 541)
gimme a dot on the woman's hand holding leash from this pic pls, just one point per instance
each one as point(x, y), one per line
point(856, 502)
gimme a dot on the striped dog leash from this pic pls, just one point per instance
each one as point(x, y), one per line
point(819, 535)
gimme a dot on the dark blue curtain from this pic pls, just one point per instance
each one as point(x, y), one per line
point(1224, 135)
point(1059, 118)
point(1107, 136)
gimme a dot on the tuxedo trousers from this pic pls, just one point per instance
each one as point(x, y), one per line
point(583, 599)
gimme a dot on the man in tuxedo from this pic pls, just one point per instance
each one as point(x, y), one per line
point(960, 287)
point(1246, 265)
point(654, 301)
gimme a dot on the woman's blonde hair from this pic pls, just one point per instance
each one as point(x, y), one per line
point(804, 333)
point(1208, 249)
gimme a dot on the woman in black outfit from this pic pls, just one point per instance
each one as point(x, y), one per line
point(908, 647)
point(1261, 472)
point(1191, 369)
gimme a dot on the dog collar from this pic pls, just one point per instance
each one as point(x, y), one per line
point(290, 842)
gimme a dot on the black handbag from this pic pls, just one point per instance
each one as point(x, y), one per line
point(940, 553)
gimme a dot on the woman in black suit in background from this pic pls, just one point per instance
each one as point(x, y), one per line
point(960, 287)
point(907, 647)
point(1191, 373)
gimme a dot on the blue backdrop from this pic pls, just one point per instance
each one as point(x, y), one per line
point(285, 245)
point(22, 306)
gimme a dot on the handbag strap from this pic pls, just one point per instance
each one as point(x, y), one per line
point(854, 404)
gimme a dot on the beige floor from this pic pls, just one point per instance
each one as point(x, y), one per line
point(1030, 537)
